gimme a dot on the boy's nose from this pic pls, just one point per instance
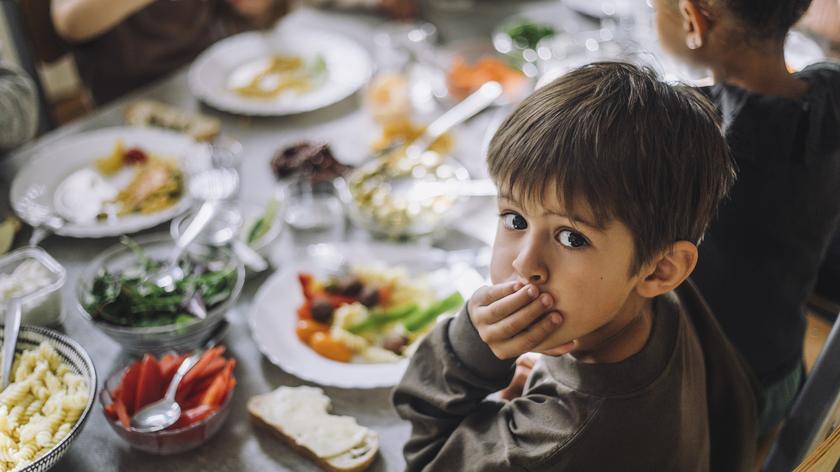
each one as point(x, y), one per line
point(529, 264)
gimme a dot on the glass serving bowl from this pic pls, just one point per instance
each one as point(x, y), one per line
point(158, 339)
point(241, 216)
point(168, 441)
point(374, 202)
point(41, 306)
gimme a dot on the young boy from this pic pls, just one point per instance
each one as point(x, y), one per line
point(762, 253)
point(607, 178)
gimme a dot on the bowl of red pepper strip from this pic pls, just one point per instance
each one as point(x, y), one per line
point(204, 394)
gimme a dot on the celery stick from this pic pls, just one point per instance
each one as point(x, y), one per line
point(424, 317)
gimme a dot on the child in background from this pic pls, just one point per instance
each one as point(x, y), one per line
point(600, 212)
point(761, 255)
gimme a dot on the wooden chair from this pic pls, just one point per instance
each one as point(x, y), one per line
point(816, 412)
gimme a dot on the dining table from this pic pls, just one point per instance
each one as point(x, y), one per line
point(349, 130)
point(347, 127)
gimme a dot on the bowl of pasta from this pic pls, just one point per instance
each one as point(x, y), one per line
point(49, 398)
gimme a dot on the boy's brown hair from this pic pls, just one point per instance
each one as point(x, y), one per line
point(631, 147)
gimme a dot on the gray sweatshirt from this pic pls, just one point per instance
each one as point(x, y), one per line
point(18, 108)
point(683, 403)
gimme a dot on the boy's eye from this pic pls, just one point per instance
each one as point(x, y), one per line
point(571, 239)
point(514, 221)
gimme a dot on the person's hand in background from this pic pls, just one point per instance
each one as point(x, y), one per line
point(262, 13)
point(401, 9)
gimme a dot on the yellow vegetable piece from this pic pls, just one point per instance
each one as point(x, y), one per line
point(113, 162)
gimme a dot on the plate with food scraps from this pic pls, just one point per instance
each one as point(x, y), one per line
point(282, 72)
point(351, 315)
point(108, 182)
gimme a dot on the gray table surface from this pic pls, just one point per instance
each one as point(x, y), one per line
point(349, 130)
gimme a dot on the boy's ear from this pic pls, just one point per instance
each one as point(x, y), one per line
point(668, 270)
point(695, 23)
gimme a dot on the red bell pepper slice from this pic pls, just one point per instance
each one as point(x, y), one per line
point(127, 390)
point(150, 386)
point(122, 414)
point(194, 415)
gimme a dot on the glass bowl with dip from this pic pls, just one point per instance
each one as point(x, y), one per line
point(31, 273)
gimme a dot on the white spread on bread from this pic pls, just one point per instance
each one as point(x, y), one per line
point(302, 413)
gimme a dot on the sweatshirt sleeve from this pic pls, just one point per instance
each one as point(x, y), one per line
point(454, 427)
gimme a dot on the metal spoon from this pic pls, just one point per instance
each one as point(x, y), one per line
point(474, 103)
point(171, 272)
point(212, 186)
point(165, 412)
point(10, 335)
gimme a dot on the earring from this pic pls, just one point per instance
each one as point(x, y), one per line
point(693, 42)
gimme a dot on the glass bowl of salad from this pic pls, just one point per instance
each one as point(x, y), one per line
point(112, 293)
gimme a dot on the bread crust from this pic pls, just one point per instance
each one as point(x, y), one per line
point(357, 464)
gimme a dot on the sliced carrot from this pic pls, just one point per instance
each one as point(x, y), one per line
point(212, 368)
point(306, 328)
point(185, 387)
point(331, 348)
point(214, 394)
point(384, 296)
point(122, 414)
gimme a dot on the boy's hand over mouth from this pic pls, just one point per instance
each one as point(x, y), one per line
point(512, 319)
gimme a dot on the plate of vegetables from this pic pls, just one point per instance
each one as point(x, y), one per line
point(351, 315)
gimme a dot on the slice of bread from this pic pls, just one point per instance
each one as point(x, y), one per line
point(158, 114)
point(354, 460)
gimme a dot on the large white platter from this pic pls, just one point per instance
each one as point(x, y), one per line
point(348, 68)
point(273, 314)
point(49, 166)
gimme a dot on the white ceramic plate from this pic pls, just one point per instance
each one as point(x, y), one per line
point(273, 314)
point(348, 68)
point(49, 165)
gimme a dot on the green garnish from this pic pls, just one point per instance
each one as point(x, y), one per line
point(126, 299)
point(421, 318)
point(263, 224)
point(527, 34)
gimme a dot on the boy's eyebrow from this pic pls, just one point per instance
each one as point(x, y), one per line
point(583, 221)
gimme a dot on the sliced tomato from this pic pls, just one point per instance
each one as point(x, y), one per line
point(150, 385)
point(338, 300)
point(307, 284)
point(127, 390)
point(304, 311)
